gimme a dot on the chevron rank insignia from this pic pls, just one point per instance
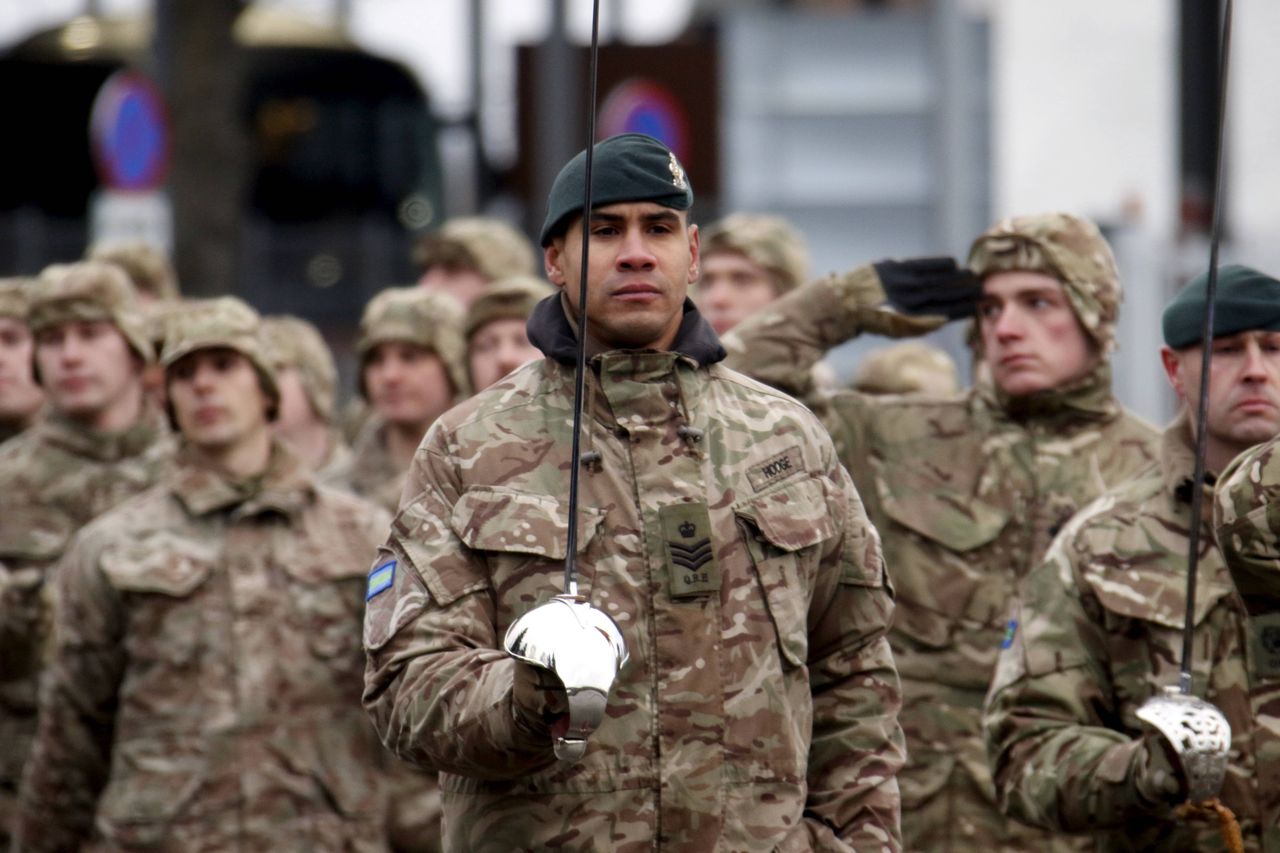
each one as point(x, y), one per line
point(691, 561)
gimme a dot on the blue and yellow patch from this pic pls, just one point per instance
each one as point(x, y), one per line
point(1010, 631)
point(381, 579)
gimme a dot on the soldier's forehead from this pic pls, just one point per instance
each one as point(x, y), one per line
point(1009, 283)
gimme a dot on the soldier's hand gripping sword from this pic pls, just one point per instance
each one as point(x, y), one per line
point(577, 643)
point(1196, 731)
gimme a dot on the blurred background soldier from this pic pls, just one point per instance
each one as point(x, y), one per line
point(21, 399)
point(470, 252)
point(967, 491)
point(910, 367)
point(748, 260)
point(155, 283)
point(202, 689)
point(412, 370)
point(99, 445)
point(1098, 630)
point(495, 329)
point(308, 381)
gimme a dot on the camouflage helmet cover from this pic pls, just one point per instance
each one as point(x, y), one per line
point(906, 368)
point(293, 342)
point(15, 297)
point(486, 244)
point(424, 318)
point(221, 322)
point(1067, 247)
point(509, 299)
point(768, 242)
point(149, 269)
point(87, 291)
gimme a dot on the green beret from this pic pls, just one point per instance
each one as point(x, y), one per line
point(627, 167)
point(1246, 300)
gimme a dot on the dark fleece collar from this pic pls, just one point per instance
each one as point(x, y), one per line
point(551, 331)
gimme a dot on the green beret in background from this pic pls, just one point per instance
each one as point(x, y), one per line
point(625, 168)
point(1246, 300)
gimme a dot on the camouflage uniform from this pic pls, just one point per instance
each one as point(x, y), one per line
point(15, 295)
point(54, 479)
point(201, 692)
point(408, 315)
point(967, 492)
point(1247, 519)
point(757, 709)
point(296, 343)
point(1098, 631)
point(910, 367)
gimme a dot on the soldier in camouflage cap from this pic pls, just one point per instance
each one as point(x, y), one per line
point(910, 367)
point(748, 260)
point(717, 526)
point(470, 252)
point(967, 491)
point(412, 368)
point(99, 444)
point(1097, 630)
point(308, 380)
point(21, 399)
point(201, 689)
point(497, 340)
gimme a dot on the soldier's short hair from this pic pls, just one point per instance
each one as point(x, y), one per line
point(769, 242)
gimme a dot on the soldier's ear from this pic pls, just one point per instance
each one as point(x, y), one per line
point(1172, 361)
point(695, 253)
point(553, 262)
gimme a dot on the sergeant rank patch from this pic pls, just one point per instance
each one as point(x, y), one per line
point(381, 579)
point(691, 559)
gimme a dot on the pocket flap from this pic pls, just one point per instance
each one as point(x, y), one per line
point(33, 533)
point(494, 519)
point(1159, 595)
point(159, 562)
point(921, 503)
point(791, 517)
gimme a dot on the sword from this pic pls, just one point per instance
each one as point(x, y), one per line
point(579, 644)
point(1197, 731)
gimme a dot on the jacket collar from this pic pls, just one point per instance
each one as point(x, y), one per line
point(1178, 464)
point(553, 330)
point(1086, 401)
point(285, 486)
point(105, 446)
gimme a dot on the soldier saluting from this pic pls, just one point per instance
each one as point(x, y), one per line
point(718, 530)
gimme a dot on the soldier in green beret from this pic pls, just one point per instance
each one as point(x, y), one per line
point(100, 444)
point(967, 490)
point(21, 399)
point(720, 542)
point(1098, 627)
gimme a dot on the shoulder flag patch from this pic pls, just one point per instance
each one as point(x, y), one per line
point(381, 579)
point(1010, 631)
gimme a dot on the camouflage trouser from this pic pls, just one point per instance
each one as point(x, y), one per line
point(959, 818)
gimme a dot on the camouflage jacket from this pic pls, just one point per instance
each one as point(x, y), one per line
point(337, 469)
point(967, 491)
point(1247, 521)
point(374, 475)
point(1096, 632)
point(757, 711)
point(201, 693)
point(54, 479)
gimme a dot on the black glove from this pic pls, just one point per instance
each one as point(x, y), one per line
point(930, 286)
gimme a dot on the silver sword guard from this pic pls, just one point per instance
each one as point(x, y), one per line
point(1199, 735)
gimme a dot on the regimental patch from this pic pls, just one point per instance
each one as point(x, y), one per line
point(1264, 640)
point(381, 579)
point(776, 468)
point(677, 173)
point(1010, 631)
point(692, 570)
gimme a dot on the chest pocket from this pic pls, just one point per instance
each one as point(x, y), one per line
point(326, 577)
point(161, 575)
point(524, 536)
point(37, 534)
point(782, 530)
point(1143, 614)
point(932, 565)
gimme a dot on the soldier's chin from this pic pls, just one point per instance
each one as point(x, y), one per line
point(1023, 384)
